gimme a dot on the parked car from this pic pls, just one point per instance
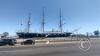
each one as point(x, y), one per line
point(2, 43)
point(7, 42)
point(28, 42)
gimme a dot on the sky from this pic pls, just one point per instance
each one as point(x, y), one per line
point(76, 14)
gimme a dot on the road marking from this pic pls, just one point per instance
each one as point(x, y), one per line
point(47, 42)
point(82, 47)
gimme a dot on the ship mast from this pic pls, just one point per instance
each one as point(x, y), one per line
point(43, 23)
point(28, 23)
point(21, 26)
point(60, 21)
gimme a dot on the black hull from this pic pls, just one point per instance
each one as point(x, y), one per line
point(40, 35)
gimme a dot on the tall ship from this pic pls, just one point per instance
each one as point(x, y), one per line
point(43, 34)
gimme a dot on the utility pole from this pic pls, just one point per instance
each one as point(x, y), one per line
point(43, 23)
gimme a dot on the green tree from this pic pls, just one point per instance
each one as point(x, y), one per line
point(96, 33)
point(5, 34)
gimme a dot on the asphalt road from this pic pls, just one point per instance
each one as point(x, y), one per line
point(50, 50)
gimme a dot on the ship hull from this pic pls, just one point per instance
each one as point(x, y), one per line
point(40, 35)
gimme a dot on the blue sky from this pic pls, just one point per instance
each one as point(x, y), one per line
point(76, 13)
